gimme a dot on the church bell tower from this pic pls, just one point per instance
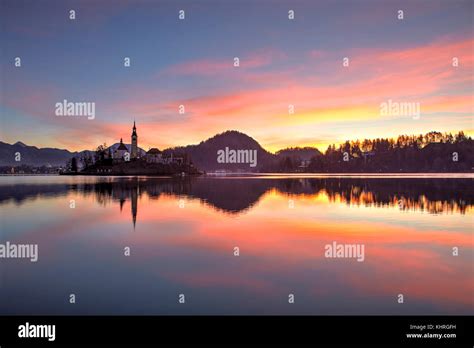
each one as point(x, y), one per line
point(134, 151)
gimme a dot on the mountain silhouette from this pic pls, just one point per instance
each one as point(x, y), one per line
point(31, 155)
point(205, 154)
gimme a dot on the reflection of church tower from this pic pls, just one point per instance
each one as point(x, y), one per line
point(134, 204)
point(134, 150)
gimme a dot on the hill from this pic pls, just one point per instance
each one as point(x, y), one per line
point(205, 155)
point(31, 155)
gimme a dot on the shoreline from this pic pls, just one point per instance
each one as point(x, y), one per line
point(269, 175)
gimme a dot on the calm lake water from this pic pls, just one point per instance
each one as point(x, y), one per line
point(182, 234)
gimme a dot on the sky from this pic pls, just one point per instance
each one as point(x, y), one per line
point(190, 62)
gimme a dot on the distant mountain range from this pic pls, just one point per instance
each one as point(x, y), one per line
point(203, 155)
point(34, 156)
point(31, 155)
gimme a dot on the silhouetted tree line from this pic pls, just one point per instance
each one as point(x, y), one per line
point(432, 152)
point(440, 195)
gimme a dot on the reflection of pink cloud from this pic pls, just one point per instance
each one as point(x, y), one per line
point(399, 260)
point(411, 272)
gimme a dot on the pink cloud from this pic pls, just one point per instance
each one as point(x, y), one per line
point(206, 67)
point(422, 74)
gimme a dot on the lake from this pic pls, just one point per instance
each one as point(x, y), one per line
point(183, 235)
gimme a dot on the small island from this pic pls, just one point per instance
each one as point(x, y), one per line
point(120, 160)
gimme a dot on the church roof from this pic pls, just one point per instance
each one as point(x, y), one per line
point(122, 146)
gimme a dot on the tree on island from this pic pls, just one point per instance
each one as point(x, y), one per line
point(74, 165)
point(101, 153)
point(86, 161)
point(71, 165)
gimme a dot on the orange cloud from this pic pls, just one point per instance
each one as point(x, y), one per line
point(257, 103)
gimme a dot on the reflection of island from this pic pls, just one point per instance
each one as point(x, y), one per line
point(236, 195)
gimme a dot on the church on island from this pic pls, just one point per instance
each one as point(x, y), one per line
point(123, 159)
point(154, 155)
point(122, 152)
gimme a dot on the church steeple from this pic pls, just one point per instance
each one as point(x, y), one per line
point(134, 141)
point(134, 131)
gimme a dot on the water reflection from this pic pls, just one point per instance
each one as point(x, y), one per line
point(238, 195)
point(408, 227)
